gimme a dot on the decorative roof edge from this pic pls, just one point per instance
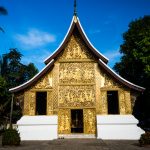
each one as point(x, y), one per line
point(75, 20)
point(106, 59)
point(121, 79)
point(32, 80)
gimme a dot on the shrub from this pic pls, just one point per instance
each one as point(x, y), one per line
point(10, 137)
point(145, 139)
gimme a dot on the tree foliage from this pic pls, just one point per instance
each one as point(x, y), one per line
point(135, 61)
point(12, 73)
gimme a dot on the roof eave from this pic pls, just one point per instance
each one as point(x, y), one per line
point(32, 80)
point(120, 79)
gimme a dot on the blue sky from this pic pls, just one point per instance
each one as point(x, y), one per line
point(37, 27)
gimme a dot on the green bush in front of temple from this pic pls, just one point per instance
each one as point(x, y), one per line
point(10, 137)
point(145, 139)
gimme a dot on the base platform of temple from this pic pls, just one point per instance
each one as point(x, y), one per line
point(38, 127)
point(119, 127)
point(108, 127)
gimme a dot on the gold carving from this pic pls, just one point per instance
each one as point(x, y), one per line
point(76, 73)
point(104, 107)
point(97, 87)
point(49, 103)
point(108, 82)
point(26, 103)
point(32, 103)
point(55, 86)
point(76, 96)
point(64, 121)
point(89, 121)
point(122, 102)
point(128, 102)
point(45, 82)
point(76, 49)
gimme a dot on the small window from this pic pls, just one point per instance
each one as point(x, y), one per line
point(112, 101)
point(41, 100)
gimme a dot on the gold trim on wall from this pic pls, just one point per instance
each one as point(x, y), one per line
point(89, 116)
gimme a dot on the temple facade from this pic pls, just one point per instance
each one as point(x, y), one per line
point(77, 95)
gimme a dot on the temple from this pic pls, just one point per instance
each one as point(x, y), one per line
point(77, 95)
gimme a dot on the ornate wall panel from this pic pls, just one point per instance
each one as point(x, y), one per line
point(128, 102)
point(26, 104)
point(122, 104)
point(45, 82)
point(76, 73)
point(32, 103)
point(55, 87)
point(89, 121)
point(49, 103)
point(76, 96)
point(64, 121)
point(108, 82)
point(97, 87)
point(103, 103)
point(76, 49)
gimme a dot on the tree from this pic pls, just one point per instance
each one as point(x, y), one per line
point(135, 61)
point(31, 71)
point(4, 101)
point(12, 73)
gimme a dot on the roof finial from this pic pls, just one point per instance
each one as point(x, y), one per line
point(75, 8)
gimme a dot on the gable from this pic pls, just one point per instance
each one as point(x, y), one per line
point(76, 50)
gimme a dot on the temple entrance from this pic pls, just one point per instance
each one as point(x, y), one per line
point(77, 121)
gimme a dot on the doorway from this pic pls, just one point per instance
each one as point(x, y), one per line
point(76, 121)
point(41, 100)
point(112, 100)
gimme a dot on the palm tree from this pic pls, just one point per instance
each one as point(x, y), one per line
point(3, 11)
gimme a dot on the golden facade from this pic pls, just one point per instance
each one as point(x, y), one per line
point(76, 81)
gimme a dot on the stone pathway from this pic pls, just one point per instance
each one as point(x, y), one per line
point(77, 144)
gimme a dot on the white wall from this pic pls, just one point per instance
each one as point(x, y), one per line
point(118, 127)
point(38, 127)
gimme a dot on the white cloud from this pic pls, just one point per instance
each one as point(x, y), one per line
point(112, 54)
point(35, 38)
point(37, 58)
point(95, 31)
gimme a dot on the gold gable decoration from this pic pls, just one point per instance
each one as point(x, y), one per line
point(45, 82)
point(76, 50)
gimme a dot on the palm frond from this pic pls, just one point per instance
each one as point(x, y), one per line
point(3, 11)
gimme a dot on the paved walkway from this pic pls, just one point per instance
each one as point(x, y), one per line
point(77, 144)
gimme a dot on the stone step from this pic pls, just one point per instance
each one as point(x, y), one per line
point(71, 136)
